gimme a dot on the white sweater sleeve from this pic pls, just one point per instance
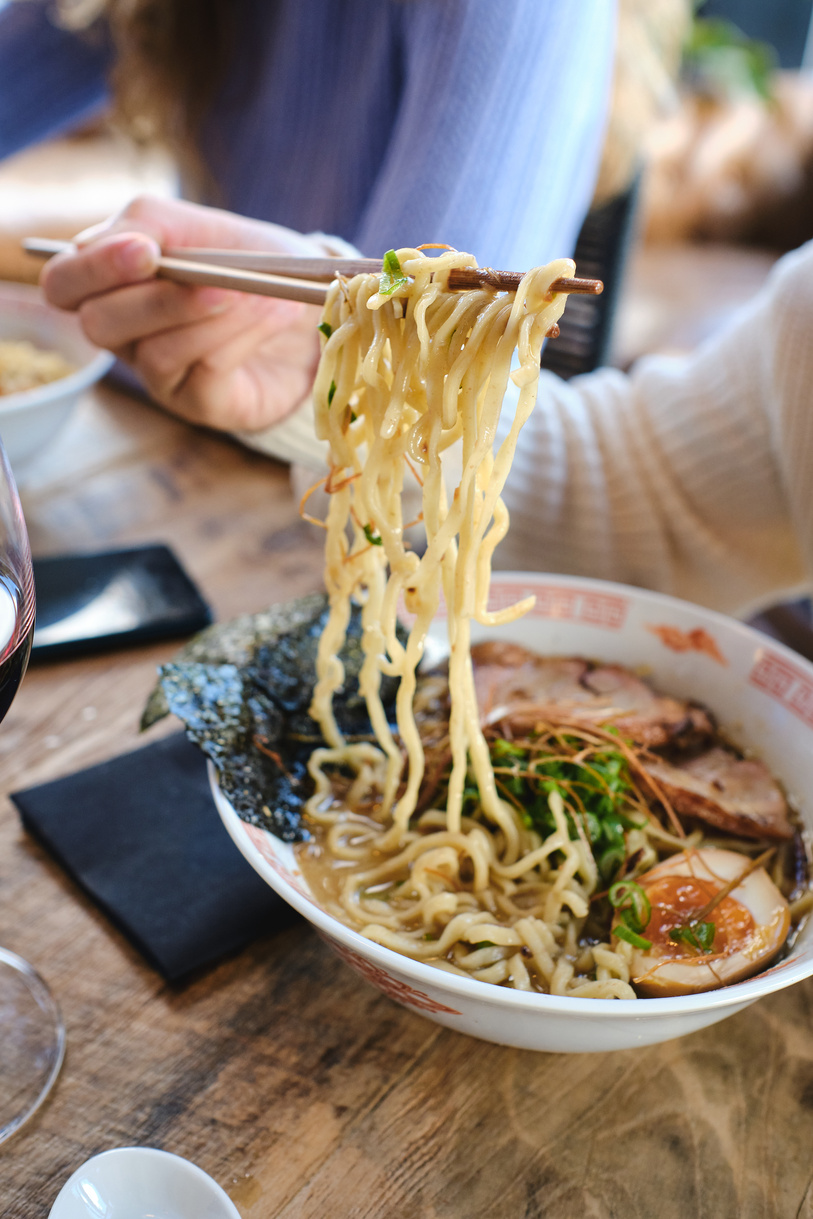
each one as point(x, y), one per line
point(691, 475)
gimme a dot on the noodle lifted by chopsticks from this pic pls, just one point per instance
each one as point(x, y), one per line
point(408, 370)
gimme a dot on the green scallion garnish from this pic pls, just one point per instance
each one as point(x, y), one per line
point(699, 936)
point(622, 932)
point(632, 904)
point(392, 277)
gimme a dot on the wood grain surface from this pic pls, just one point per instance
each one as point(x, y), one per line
point(302, 1090)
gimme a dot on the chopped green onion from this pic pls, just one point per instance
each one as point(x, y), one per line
point(623, 932)
point(392, 277)
point(483, 944)
point(371, 536)
point(331, 393)
point(592, 827)
point(326, 329)
point(628, 823)
point(506, 749)
point(597, 791)
point(632, 904)
point(699, 936)
point(611, 860)
point(471, 795)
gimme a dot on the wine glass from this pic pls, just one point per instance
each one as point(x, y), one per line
point(32, 1035)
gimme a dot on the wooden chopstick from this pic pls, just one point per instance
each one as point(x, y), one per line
point(328, 268)
point(324, 269)
point(297, 278)
point(181, 271)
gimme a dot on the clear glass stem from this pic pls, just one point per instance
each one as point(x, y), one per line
point(32, 1042)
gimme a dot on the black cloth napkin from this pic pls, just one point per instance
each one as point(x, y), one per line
point(142, 836)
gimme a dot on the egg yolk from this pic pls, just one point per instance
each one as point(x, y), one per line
point(677, 900)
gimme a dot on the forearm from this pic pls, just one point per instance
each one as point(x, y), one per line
point(226, 359)
point(689, 476)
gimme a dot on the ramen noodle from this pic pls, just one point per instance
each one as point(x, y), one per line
point(464, 877)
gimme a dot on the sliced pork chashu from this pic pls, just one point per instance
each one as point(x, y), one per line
point(737, 795)
point(518, 688)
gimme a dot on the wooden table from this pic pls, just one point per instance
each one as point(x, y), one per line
point(302, 1090)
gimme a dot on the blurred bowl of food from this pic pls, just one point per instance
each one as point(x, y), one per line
point(46, 364)
point(761, 696)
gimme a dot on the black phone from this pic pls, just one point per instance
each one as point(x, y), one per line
point(95, 602)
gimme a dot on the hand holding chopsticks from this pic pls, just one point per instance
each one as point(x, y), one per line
point(227, 359)
point(298, 279)
point(225, 354)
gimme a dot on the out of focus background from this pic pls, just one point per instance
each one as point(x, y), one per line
point(727, 178)
point(707, 177)
point(707, 174)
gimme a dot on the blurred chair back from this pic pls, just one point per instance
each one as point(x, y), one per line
point(601, 253)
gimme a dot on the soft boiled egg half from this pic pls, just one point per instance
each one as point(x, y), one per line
point(751, 924)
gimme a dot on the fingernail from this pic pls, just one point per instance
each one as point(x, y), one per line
point(215, 300)
point(135, 258)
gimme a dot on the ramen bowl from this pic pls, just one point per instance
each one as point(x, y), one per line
point(29, 419)
point(762, 696)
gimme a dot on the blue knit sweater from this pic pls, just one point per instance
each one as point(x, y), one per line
point(387, 122)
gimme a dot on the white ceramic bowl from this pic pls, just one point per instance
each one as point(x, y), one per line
point(30, 419)
point(762, 694)
point(141, 1183)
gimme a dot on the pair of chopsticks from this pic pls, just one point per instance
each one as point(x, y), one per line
point(299, 279)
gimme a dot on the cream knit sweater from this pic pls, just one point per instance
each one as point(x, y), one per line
point(690, 475)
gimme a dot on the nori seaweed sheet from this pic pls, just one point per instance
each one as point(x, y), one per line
point(235, 642)
point(243, 689)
